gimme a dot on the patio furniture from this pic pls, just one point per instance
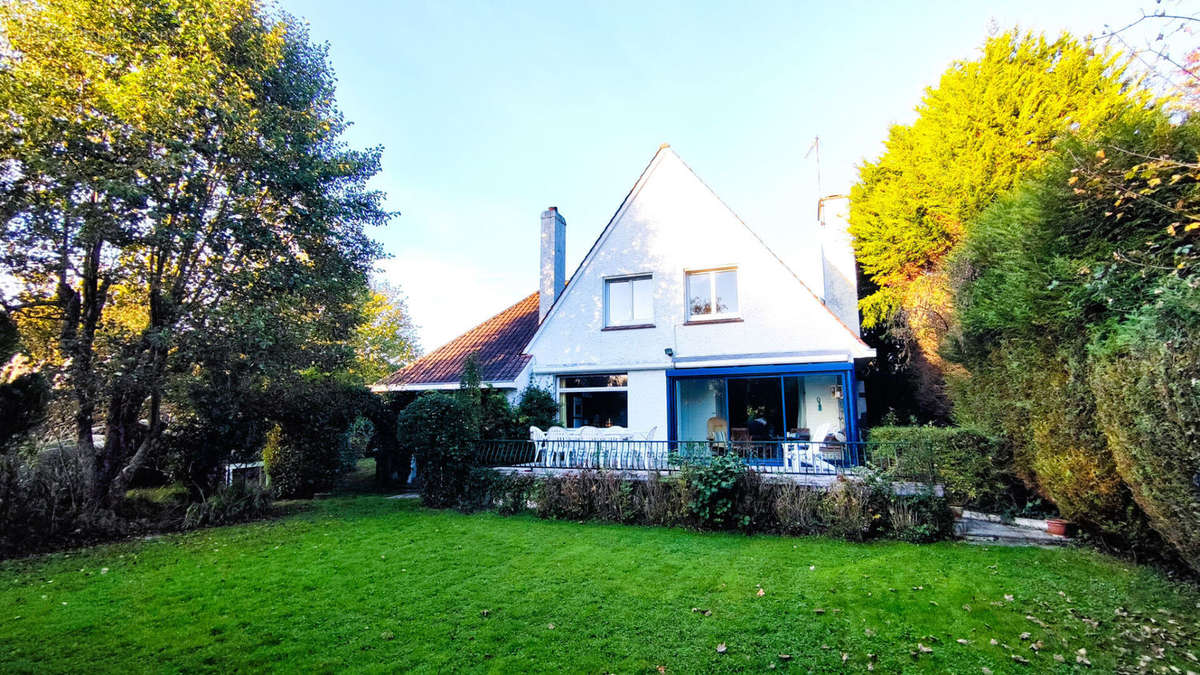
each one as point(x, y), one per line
point(538, 437)
point(797, 456)
point(557, 442)
point(585, 452)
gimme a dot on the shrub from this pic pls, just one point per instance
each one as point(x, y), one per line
point(513, 493)
point(854, 510)
point(567, 496)
point(536, 408)
point(1148, 403)
point(437, 429)
point(801, 510)
point(920, 518)
point(975, 468)
point(497, 419)
point(308, 452)
point(229, 504)
point(663, 500)
point(480, 489)
point(714, 489)
point(45, 499)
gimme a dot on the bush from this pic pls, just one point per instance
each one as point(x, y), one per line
point(536, 408)
point(855, 510)
point(513, 493)
point(45, 499)
point(975, 468)
point(308, 450)
point(437, 429)
point(229, 504)
point(801, 510)
point(920, 518)
point(663, 500)
point(1148, 403)
point(714, 486)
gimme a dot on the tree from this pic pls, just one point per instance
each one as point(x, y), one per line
point(988, 123)
point(1076, 327)
point(386, 341)
point(176, 197)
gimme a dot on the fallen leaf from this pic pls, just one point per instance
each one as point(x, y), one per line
point(962, 641)
point(966, 608)
point(661, 669)
point(721, 648)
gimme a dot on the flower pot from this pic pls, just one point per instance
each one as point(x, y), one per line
point(1058, 526)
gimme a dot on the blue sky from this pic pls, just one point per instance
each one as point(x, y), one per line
point(488, 113)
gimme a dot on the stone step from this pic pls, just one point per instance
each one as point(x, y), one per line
point(998, 534)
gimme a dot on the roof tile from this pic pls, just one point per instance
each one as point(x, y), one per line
point(499, 344)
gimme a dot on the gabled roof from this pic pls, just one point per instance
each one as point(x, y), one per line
point(498, 343)
point(663, 152)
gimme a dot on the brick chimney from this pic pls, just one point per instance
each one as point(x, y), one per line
point(552, 267)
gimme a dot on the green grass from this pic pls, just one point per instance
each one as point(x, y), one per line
point(367, 583)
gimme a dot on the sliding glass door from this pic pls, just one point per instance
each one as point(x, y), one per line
point(761, 407)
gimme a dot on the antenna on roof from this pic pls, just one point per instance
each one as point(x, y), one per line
point(816, 148)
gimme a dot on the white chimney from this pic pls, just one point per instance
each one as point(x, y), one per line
point(839, 277)
point(552, 268)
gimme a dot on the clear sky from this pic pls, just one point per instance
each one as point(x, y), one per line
point(490, 112)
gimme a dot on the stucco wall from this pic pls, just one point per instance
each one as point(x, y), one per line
point(648, 402)
point(670, 224)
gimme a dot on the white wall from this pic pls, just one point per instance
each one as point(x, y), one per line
point(672, 223)
point(648, 402)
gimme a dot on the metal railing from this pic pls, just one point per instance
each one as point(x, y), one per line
point(900, 460)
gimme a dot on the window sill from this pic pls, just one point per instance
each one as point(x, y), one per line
point(635, 326)
point(700, 322)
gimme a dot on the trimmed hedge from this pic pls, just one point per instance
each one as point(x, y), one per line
point(721, 499)
point(975, 468)
point(1147, 386)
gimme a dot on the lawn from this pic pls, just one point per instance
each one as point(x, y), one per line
point(372, 584)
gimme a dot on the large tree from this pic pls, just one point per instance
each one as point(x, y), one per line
point(989, 122)
point(174, 195)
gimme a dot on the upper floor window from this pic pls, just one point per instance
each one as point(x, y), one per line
point(629, 301)
point(712, 294)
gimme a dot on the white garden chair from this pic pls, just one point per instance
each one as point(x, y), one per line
point(585, 449)
point(539, 444)
point(557, 441)
point(650, 454)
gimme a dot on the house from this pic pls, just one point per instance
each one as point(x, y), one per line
point(678, 318)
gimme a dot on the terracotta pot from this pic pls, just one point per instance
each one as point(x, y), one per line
point(1058, 526)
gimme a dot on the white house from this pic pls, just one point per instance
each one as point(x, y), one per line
point(678, 316)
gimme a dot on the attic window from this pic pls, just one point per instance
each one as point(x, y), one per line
point(712, 294)
point(629, 301)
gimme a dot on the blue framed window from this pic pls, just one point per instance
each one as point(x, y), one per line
point(763, 403)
